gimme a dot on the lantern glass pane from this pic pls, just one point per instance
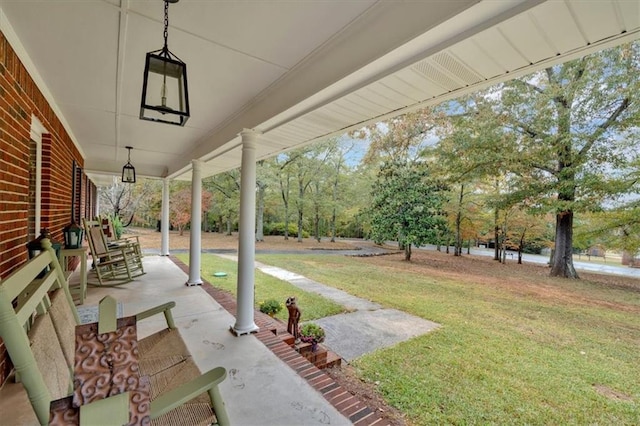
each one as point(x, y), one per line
point(170, 89)
point(73, 236)
point(128, 174)
point(165, 96)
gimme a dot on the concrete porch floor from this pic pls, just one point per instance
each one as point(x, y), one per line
point(268, 383)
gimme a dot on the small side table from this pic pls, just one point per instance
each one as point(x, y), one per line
point(80, 252)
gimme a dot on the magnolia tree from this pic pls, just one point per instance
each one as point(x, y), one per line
point(406, 206)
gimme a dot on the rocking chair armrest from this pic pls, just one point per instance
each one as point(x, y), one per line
point(116, 253)
point(124, 242)
point(206, 382)
point(165, 308)
point(131, 238)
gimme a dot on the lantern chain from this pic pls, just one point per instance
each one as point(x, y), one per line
point(166, 24)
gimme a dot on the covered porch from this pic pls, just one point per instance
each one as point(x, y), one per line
point(264, 78)
point(268, 382)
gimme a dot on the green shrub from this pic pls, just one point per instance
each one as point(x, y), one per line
point(270, 307)
point(117, 225)
point(277, 228)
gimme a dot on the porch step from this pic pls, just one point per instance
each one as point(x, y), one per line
point(303, 348)
point(284, 336)
point(287, 338)
point(274, 325)
point(321, 357)
point(333, 360)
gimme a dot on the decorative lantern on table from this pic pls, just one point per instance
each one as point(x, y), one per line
point(72, 236)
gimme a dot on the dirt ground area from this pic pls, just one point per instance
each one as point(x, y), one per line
point(527, 279)
point(150, 239)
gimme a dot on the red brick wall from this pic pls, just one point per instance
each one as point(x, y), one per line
point(20, 98)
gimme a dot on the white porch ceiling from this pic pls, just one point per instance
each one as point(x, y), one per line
point(297, 71)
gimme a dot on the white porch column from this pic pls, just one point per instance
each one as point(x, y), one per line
point(247, 239)
point(164, 220)
point(196, 222)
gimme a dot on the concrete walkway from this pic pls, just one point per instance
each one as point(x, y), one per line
point(368, 328)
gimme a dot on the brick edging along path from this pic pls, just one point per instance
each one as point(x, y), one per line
point(344, 401)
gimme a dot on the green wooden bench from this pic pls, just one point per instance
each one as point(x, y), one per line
point(38, 323)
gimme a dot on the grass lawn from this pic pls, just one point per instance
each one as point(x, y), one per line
point(267, 287)
point(515, 346)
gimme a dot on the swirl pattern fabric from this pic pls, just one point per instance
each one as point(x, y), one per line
point(107, 364)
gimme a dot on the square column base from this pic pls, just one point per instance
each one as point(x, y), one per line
point(239, 333)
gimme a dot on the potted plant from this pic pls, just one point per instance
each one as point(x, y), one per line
point(270, 307)
point(312, 333)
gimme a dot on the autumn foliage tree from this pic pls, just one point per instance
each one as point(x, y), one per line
point(180, 207)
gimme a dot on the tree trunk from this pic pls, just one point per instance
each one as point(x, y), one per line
point(563, 255)
point(316, 224)
point(284, 192)
point(407, 252)
point(286, 220)
point(458, 248)
point(316, 213)
point(300, 206)
point(260, 213)
point(333, 226)
point(334, 199)
point(458, 242)
point(504, 240)
point(563, 258)
point(229, 225)
point(520, 246)
point(300, 225)
point(205, 221)
point(496, 236)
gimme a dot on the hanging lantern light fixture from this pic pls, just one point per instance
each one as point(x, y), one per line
point(128, 171)
point(165, 97)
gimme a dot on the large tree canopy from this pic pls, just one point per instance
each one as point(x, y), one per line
point(576, 124)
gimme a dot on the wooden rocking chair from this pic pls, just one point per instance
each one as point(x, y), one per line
point(112, 265)
point(110, 237)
